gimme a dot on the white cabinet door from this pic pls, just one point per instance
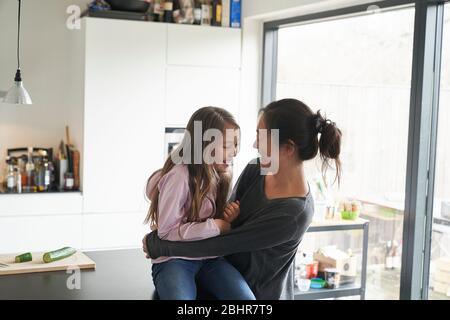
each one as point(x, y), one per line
point(204, 46)
point(124, 122)
point(111, 231)
point(46, 233)
point(191, 88)
point(41, 204)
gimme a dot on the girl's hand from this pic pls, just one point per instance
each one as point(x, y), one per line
point(231, 212)
point(223, 225)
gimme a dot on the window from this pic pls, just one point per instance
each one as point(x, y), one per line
point(357, 71)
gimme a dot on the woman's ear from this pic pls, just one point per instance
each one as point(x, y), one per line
point(290, 148)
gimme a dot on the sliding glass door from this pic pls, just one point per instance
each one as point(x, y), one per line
point(357, 71)
point(381, 71)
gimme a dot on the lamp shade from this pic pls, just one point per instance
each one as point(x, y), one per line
point(17, 94)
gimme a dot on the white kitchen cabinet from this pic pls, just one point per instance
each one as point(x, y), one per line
point(129, 81)
point(114, 230)
point(199, 87)
point(204, 46)
point(43, 233)
point(123, 118)
point(38, 204)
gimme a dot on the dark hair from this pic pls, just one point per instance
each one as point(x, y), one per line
point(297, 122)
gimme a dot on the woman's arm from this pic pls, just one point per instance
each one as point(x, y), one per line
point(262, 233)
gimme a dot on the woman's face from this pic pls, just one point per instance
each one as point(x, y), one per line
point(263, 143)
point(272, 155)
point(229, 150)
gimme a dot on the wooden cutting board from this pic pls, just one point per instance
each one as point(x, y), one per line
point(78, 260)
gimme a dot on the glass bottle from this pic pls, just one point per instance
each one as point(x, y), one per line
point(198, 12)
point(168, 11)
point(10, 177)
point(206, 12)
point(29, 167)
point(18, 177)
point(47, 175)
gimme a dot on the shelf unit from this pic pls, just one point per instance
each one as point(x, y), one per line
point(343, 290)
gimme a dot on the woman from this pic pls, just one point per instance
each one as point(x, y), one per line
point(275, 209)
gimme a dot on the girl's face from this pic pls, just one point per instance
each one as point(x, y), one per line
point(229, 150)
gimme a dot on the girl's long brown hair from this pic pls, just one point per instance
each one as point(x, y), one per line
point(202, 177)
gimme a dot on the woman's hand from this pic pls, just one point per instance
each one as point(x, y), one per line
point(144, 246)
point(223, 225)
point(231, 212)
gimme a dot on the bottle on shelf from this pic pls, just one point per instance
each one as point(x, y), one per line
point(206, 13)
point(158, 10)
point(177, 18)
point(29, 167)
point(168, 11)
point(47, 175)
point(68, 181)
point(216, 13)
point(38, 174)
point(18, 176)
point(198, 12)
point(10, 176)
point(226, 9)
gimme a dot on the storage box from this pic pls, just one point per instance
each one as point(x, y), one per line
point(445, 209)
point(336, 259)
point(235, 13)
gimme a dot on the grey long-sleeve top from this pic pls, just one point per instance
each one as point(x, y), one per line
point(263, 241)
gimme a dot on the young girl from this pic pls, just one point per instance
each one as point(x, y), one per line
point(188, 203)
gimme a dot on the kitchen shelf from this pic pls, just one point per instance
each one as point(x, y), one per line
point(37, 193)
point(344, 290)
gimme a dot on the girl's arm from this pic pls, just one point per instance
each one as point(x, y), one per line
point(173, 195)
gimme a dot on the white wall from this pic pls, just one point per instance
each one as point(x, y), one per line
point(45, 45)
point(46, 67)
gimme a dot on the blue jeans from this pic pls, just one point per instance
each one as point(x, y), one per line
point(177, 279)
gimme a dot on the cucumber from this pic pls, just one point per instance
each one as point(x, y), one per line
point(58, 254)
point(24, 257)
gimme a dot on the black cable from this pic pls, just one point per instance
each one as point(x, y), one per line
point(18, 37)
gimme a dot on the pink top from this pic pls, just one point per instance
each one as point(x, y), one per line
point(174, 202)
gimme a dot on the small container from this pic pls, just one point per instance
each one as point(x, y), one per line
point(304, 285)
point(329, 213)
point(312, 269)
point(332, 278)
point(317, 283)
point(349, 215)
point(69, 181)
